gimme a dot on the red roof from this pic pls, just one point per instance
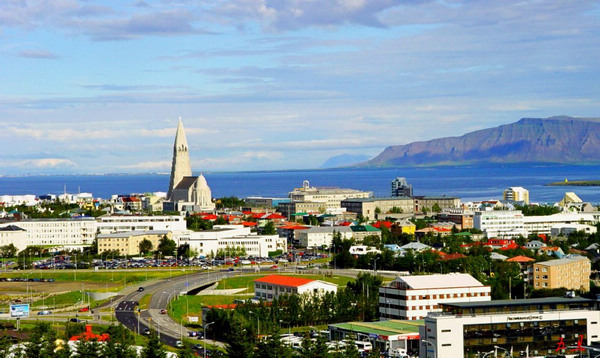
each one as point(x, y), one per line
point(209, 217)
point(449, 257)
point(274, 216)
point(225, 307)
point(293, 227)
point(345, 223)
point(520, 258)
point(378, 224)
point(284, 280)
point(88, 335)
point(249, 223)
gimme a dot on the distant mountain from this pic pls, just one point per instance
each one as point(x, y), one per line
point(345, 160)
point(564, 140)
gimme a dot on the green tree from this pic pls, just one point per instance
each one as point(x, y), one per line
point(153, 349)
point(239, 344)
point(113, 349)
point(88, 349)
point(268, 229)
point(145, 246)
point(272, 347)
point(9, 250)
point(166, 247)
point(41, 341)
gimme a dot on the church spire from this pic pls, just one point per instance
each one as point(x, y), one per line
point(181, 159)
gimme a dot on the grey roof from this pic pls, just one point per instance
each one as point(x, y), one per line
point(327, 229)
point(186, 183)
point(563, 260)
point(369, 200)
point(415, 246)
point(520, 302)
point(11, 228)
point(126, 234)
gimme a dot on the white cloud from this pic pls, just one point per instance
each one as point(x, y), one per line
point(46, 163)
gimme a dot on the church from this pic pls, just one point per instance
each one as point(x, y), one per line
point(186, 192)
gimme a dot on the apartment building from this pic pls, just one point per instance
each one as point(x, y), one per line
point(370, 207)
point(121, 223)
point(58, 233)
point(328, 197)
point(322, 235)
point(128, 243)
point(571, 272)
point(516, 194)
point(413, 297)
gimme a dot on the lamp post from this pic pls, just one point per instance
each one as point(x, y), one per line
point(257, 324)
point(206, 325)
point(431, 344)
point(375, 264)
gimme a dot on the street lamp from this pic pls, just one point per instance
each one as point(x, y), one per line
point(431, 344)
point(375, 264)
point(257, 323)
point(206, 325)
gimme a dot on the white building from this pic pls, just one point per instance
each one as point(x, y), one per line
point(413, 297)
point(122, 223)
point(273, 286)
point(516, 194)
point(321, 235)
point(222, 237)
point(567, 229)
point(500, 223)
point(362, 250)
point(12, 234)
point(58, 233)
point(329, 197)
point(544, 224)
point(536, 327)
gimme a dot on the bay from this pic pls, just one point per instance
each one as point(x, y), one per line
point(469, 183)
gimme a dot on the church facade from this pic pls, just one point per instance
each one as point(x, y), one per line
point(186, 192)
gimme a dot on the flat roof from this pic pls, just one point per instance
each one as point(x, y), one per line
point(440, 281)
point(382, 328)
point(520, 302)
point(562, 261)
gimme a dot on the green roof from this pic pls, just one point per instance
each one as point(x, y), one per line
point(364, 228)
point(382, 328)
point(299, 214)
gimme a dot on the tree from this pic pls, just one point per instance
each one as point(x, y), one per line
point(153, 348)
point(268, 229)
point(145, 246)
point(239, 344)
point(9, 250)
point(88, 348)
point(166, 247)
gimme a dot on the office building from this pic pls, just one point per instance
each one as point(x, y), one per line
point(571, 272)
point(516, 194)
point(400, 187)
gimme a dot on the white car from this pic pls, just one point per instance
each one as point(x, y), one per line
point(179, 344)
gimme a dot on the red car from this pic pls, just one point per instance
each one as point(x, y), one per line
point(84, 309)
point(163, 311)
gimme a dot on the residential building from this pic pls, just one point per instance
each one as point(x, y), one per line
point(516, 194)
point(371, 208)
point(429, 202)
point(536, 327)
point(359, 232)
point(273, 286)
point(544, 224)
point(322, 235)
point(500, 223)
point(400, 187)
point(413, 297)
point(362, 250)
point(463, 219)
point(128, 243)
point(568, 229)
point(290, 208)
point(571, 272)
point(404, 227)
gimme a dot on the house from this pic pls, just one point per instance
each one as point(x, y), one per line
point(273, 286)
point(363, 250)
point(534, 245)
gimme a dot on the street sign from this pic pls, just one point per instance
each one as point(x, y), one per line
point(193, 319)
point(19, 310)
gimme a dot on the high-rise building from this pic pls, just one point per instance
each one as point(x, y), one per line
point(516, 194)
point(400, 187)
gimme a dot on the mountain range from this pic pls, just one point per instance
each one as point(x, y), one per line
point(558, 140)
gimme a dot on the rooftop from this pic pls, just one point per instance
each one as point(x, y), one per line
point(520, 302)
point(440, 281)
point(288, 281)
point(382, 328)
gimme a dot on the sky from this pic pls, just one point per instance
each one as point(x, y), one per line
point(98, 86)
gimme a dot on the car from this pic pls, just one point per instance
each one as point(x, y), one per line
point(274, 266)
point(43, 313)
point(75, 320)
point(178, 344)
point(163, 311)
point(146, 331)
point(141, 289)
point(84, 309)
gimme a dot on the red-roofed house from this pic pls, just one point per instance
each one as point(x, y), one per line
point(520, 259)
point(273, 286)
point(378, 224)
point(448, 257)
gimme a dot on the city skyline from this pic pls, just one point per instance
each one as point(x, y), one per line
point(99, 86)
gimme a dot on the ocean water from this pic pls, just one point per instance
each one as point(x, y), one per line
point(468, 183)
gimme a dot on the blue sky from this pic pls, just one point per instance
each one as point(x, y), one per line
point(97, 86)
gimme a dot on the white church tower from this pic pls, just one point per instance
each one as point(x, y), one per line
point(181, 166)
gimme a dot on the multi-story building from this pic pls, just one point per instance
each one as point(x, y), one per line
point(128, 243)
point(289, 209)
point(12, 234)
point(461, 217)
point(58, 233)
point(516, 194)
point(370, 208)
point(500, 223)
point(359, 232)
point(544, 224)
point(536, 327)
point(400, 187)
point(413, 297)
point(273, 286)
point(329, 198)
point(571, 272)
point(322, 235)
point(122, 223)
point(259, 201)
point(429, 202)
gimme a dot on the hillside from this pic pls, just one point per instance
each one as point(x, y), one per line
point(564, 140)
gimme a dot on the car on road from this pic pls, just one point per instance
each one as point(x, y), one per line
point(75, 320)
point(146, 331)
point(84, 309)
point(163, 311)
point(141, 289)
point(45, 312)
point(178, 344)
